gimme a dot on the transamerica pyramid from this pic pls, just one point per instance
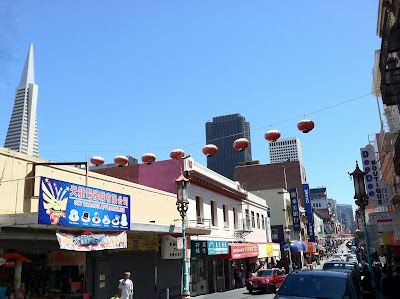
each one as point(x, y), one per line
point(22, 133)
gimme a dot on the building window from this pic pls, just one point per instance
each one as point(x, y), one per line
point(225, 211)
point(262, 221)
point(199, 209)
point(214, 220)
point(247, 224)
point(253, 220)
point(274, 233)
point(258, 220)
point(235, 218)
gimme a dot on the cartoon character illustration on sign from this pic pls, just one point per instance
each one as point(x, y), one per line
point(54, 202)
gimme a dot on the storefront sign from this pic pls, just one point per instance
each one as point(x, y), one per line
point(270, 251)
point(142, 242)
point(309, 213)
point(276, 248)
point(209, 247)
point(295, 209)
point(376, 188)
point(67, 204)
point(238, 251)
point(90, 242)
point(169, 248)
point(381, 221)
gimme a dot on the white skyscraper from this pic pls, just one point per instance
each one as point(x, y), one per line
point(22, 133)
point(284, 149)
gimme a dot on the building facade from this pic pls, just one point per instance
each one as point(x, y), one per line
point(222, 132)
point(345, 216)
point(285, 149)
point(22, 134)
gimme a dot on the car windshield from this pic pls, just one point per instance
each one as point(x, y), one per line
point(263, 273)
point(338, 266)
point(311, 286)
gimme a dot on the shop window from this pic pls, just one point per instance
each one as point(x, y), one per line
point(274, 233)
point(199, 209)
point(258, 220)
point(214, 220)
point(253, 220)
point(226, 218)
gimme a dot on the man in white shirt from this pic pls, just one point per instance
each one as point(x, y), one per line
point(125, 288)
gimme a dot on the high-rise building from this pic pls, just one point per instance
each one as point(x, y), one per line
point(222, 132)
point(22, 135)
point(318, 193)
point(345, 216)
point(285, 149)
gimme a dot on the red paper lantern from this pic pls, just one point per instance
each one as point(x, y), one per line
point(210, 150)
point(272, 135)
point(177, 154)
point(305, 125)
point(148, 158)
point(241, 144)
point(121, 160)
point(96, 160)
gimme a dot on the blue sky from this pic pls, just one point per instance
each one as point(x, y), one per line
point(130, 77)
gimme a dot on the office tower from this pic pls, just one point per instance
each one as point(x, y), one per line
point(22, 133)
point(285, 149)
point(318, 193)
point(222, 132)
point(345, 216)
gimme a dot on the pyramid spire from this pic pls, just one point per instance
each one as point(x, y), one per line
point(28, 75)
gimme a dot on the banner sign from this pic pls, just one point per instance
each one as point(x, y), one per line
point(67, 204)
point(376, 188)
point(210, 247)
point(380, 222)
point(309, 213)
point(295, 209)
point(88, 241)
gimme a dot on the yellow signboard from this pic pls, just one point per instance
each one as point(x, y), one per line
point(270, 251)
point(142, 242)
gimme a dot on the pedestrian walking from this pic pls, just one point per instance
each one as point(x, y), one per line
point(388, 286)
point(243, 277)
point(126, 287)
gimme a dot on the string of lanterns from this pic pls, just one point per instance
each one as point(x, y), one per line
point(209, 150)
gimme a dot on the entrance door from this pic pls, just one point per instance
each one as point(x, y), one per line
point(102, 279)
point(211, 274)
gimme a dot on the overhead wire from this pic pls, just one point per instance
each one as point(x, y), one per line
point(219, 138)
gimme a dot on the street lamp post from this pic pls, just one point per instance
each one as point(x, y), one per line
point(289, 252)
point(362, 201)
point(182, 206)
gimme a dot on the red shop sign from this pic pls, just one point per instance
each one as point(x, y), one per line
point(238, 251)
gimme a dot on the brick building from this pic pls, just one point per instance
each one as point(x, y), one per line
point(255, 176)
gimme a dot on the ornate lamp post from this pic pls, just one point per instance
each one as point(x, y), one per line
point(182, 206)
point(362, 201)
point(289, 252)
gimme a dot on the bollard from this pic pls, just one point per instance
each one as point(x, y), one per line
point(167, 291)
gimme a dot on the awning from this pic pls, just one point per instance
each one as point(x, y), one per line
point(239, 251)
point(16, 256)
point(294, 247)
point(302, 245)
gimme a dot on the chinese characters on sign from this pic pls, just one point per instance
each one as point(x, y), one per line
point(209, 247)
point(309, 212)
point(67, 204)
point(295, 209)
point(90, 241)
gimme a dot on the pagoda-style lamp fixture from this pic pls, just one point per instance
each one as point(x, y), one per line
point(361, 198)
point(182, 205)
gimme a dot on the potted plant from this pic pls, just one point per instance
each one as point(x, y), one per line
point(391, 62)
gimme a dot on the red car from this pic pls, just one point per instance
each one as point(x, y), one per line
point(266, 280)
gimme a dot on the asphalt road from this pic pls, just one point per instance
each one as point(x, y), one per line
point(243, 293)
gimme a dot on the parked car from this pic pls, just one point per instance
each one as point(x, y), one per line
point(266, 280)
point(338, 257)
point(339, 265)
point(319, 284)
